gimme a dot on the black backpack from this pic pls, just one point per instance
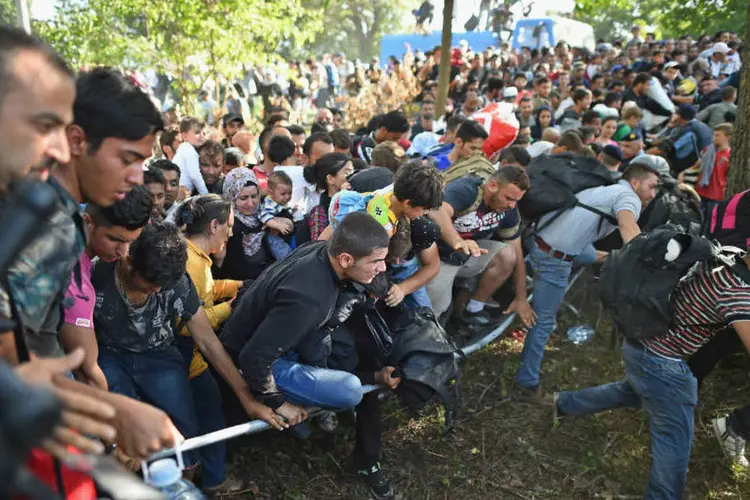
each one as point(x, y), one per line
point(636, 281)
point(672, 205)
point(425, 358)
point(555, 180)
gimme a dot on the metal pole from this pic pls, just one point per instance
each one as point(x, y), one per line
point(256, 426)
point(251, 427)
point(24, 21)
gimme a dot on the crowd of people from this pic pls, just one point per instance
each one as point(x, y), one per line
point(189, 279)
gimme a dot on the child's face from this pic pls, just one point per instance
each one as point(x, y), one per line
point(195, 136)
point(632, 121)
point(720, 139)
point(281, 194)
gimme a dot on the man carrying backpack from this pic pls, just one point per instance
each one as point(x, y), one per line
point(564, 236)
point(480, 230)
point(657, 378)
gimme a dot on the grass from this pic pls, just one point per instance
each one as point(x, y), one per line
point(503, 448)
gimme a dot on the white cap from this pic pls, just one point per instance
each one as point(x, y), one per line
point(721, 48)
point(510, 92)
point(463, 44)
point(671, 64)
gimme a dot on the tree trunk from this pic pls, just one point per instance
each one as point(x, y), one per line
point(739, 165)
point(445, 58)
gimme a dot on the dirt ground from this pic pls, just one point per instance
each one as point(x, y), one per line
point(503, 448)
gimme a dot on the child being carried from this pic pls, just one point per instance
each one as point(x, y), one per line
point(276, 206)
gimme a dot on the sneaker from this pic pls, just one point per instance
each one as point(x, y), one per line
point(478, 319)
point(380, 487)
point(327, 421)
point(732, 444)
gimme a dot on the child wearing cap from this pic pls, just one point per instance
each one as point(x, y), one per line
point(631, 117)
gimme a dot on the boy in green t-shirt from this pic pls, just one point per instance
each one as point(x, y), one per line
point(631, 116)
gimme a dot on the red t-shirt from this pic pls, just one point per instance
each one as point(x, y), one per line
point(262, 178)
point(717, 186)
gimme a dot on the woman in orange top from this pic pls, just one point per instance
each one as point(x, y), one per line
point(207, 221)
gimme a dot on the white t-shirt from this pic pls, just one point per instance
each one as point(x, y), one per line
point(304, 195)
point(186, 157)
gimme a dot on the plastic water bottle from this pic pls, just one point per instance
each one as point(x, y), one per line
point(580, 334)
point(166, 476)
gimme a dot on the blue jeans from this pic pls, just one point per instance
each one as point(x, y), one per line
point(668, 392)
point(307, 385)
point(210, 418)
point(278, 246)
point(707, 208)
point(158, 377)
point(550, 281)
point(405, 270)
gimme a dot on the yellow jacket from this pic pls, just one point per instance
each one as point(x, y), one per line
point(209, 291)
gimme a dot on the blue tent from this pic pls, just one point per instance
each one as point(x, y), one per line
point(393, 45)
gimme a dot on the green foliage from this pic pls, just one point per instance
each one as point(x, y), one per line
point(355, 27)
point(8, 12)
point(672, 18)
point(193, 40)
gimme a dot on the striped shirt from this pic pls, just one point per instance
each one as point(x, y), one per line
point(705, 303)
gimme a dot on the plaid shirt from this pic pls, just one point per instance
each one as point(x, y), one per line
point(318, 222)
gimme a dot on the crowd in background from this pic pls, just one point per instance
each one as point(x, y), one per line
point(220, 278)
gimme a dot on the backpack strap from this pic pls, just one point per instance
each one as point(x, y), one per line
point(604, 215)
point(475, 205)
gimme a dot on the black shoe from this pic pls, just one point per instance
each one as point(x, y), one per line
point(531, 393)
point(478, 319)
point(379, 485)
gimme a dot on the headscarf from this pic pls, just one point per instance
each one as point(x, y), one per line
point(234, 182)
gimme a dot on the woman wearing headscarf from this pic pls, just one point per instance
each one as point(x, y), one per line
point(246, 255)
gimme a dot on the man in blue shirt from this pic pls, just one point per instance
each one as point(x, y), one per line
point(480, 230)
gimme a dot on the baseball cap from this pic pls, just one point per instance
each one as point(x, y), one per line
point(510, 92)
point(579, 65)
point(671, 64)
point(721, 48)
point(231, 117)
point(617, 67)
point(686, 111)
point(613, 151)
point(635, 135)
point(659, 164)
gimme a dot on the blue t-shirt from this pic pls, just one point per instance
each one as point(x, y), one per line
point(481, 223)
point(440, 154)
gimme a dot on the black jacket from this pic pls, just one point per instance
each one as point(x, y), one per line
point(292, 300)
point(237, 265)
